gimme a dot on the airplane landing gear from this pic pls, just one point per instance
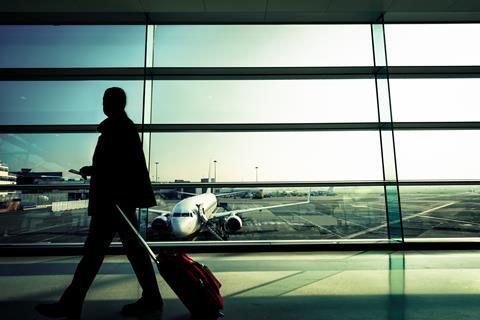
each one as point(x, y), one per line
point(217, 230)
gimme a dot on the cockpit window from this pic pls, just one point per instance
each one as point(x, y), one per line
point(182, 214)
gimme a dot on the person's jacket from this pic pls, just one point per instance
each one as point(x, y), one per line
point(119, 174)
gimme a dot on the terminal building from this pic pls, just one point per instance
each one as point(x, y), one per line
point(5, 176)
point(327, 150)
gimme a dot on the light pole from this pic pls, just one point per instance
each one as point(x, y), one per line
point(156, 171)
point(215, 170)
point(256, 174)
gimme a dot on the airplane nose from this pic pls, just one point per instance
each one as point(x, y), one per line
point(179, 229)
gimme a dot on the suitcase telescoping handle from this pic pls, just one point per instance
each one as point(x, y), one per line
point(139, 236)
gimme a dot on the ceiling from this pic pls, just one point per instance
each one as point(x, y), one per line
point(237, 11)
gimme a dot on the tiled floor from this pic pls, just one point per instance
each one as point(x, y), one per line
point(346, 285)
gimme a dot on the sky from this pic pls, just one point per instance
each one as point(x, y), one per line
point(280, 156)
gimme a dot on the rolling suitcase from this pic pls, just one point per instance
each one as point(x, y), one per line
point(191, 281)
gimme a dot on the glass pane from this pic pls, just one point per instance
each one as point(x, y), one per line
point(262, 45)
point(37, 216)
point(435, 99)
point(47, 152)
point(440, 211)
point(266, 101)
point(279, 156)
point(333, 213)
point(30, 216)
point(438, 154)
point(432, 44)
point(71, 46)
point(63, 102)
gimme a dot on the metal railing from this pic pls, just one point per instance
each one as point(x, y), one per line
point(253, 184)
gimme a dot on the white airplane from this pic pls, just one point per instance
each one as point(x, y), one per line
point(189, 216)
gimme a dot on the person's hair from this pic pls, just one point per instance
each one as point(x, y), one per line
point(115, 96)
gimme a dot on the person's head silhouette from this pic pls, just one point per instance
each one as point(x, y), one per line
point(114, 101)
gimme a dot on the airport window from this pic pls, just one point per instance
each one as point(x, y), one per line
point(438, 212)
point(262, 45)
point(435, 100)
point(438, 155)
point(264, 101)
point(47, 152)
point(325, 156)
point(433, 44)
point(71, 46)
point(209, 105)
point(348, 213)
point(63, 102)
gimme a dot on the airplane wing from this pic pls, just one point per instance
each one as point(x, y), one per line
point(187, 193)
point(159, 211)
point(228, 193)
point(234, 212)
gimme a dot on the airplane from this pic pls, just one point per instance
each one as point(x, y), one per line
point(198, 212)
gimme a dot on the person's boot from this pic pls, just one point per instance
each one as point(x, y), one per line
point(59, 310)
point(142, 306)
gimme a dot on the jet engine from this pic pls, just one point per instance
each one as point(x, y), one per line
point(161, 224)
point(233, 223)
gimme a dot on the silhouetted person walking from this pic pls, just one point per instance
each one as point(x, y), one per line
point(118, 176)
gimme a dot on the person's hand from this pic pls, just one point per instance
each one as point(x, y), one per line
point(85, 171)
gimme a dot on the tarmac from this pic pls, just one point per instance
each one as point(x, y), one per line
point(450, 213)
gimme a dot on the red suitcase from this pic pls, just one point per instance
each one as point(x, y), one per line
point(191, 281)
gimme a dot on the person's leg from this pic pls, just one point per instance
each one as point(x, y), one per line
point(151, 299)
point(99, 237)
point(138, 257)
